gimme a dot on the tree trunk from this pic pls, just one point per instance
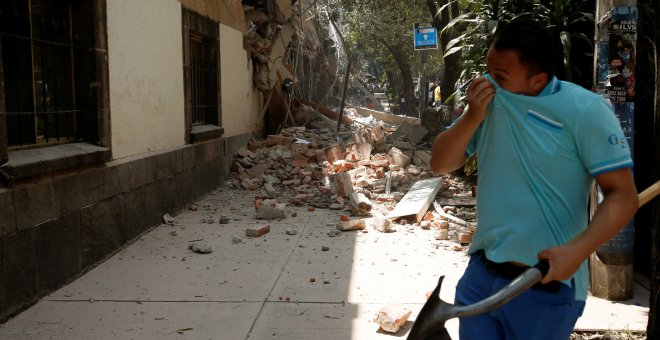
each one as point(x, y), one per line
point(406, 79)
point(452, 62)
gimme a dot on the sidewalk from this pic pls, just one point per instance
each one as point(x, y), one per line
point(262, 288)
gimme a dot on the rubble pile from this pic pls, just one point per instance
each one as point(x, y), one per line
point(366, 176)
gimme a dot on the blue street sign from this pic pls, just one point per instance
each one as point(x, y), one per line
point(426, 36)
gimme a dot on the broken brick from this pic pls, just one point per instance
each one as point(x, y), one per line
point(256, 232)
point(333, 153)
point(351, 225)
point(278, 140)
point(341, 184)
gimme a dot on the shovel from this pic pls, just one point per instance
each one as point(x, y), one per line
point(430, 323)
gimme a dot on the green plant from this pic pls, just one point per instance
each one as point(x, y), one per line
point(563, 17)
point(470, 167)
point(480, 20)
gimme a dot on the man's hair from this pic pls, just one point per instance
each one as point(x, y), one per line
point(537, 47)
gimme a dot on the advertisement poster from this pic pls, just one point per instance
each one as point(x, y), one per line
point(616, 64)
point(615, 80)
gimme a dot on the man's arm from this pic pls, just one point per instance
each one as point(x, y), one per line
point(448, 152)
point(618, 207)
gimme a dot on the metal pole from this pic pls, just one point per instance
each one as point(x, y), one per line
point(343, 95)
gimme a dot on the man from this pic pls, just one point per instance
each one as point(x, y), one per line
point(431, 94)
point(437, 95)
point(540, 144)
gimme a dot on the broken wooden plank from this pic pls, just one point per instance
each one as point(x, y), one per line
point(441, 212)
point(388, 117)
point(325, 111)
point(458, 201)
point(418, 199)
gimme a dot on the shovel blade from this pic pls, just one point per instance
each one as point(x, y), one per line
point(430, 323)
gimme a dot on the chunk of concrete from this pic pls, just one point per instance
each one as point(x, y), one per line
point(391, 318)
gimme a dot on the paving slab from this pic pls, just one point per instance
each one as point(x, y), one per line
point(232, 272)
point(328, 322)
point(74, 320)
point(368, 267)
point(261, 288)
point(629, 315)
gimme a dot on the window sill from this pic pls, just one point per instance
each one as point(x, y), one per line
point(34, 162)
point(205, 132)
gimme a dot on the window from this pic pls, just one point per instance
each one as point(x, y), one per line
point(201, 74)
point(48, 58)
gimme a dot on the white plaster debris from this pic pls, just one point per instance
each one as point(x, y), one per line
point(391, 318)
point(200, 248)
point(167, 219)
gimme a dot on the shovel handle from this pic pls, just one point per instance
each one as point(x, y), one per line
point(543, 266)
point(649, 193)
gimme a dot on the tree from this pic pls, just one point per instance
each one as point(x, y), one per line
point(381, 30)
point(441, 17)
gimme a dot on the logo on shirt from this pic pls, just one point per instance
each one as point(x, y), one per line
point(613, 139)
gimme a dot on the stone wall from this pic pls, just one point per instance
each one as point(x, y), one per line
point(56, 228)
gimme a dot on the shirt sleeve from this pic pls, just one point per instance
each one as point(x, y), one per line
point(602, 145)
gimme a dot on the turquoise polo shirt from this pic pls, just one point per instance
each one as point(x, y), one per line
point(537, 157)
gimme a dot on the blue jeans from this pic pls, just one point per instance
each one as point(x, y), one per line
point(534, 314)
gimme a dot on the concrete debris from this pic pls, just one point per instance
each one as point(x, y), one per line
point(442, 234)
point(348, 225)
point(412, 133)
point(465, 238)
point(391, 318)
point(325, 248)
point(256, 232)
point(395, 156)
point(341, 184)
point(382, 224)
point(376, 171)
point(200, 248)
point(291, 231)
point(417, 201)
point(269, 209)
point(360, 204)
point(236, 240)
point(270, 190)
point(223, 220)
point(167, 219)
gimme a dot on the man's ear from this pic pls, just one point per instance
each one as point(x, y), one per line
point(539, 81)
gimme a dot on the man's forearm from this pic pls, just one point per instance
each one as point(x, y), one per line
point(618, 207)
point(612, 214)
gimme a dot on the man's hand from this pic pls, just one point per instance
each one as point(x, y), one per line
point(479, 94)
point(448, 152)
point(564, 262)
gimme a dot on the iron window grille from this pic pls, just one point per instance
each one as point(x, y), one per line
point(204, 80)
point(201, 68)
point(48, 59)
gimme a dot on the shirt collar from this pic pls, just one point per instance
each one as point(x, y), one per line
point(552, 87)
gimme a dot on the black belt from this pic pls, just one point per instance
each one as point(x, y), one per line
point(508, 270)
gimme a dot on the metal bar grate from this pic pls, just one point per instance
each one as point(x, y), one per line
point(204, 80)
point(40, 83)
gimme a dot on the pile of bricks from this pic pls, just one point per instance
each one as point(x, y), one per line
point(364, 175)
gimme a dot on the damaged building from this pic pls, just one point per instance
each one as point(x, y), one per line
point(114, 113)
